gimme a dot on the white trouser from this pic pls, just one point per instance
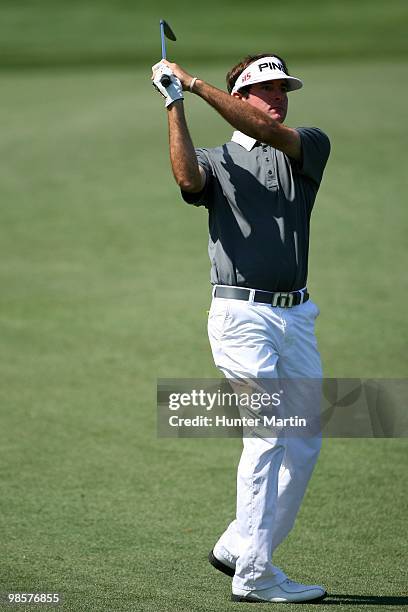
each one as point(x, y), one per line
point(253, 340)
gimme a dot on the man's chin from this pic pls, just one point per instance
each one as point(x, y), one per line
point(277, 115)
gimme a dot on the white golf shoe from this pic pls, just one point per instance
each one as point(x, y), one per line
point(221, 563)
point(286, 592)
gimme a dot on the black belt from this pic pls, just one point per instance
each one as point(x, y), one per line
point(283, 299)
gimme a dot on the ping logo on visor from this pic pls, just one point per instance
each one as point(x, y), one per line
point(265, 69)
point(271, 66)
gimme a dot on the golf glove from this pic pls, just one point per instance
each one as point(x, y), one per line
point(174, 91)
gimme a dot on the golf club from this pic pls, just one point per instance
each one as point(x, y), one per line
point(165, 32)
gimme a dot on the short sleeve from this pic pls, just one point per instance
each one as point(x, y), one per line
point(201, 198)
point(315, 153)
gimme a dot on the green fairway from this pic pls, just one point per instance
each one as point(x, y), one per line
point(105, 287)
point(117, 32)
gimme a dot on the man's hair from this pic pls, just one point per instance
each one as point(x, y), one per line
point(234, 73)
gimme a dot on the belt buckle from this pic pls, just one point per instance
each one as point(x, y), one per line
point(285, 300)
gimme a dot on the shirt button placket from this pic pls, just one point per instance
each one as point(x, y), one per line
point(269, 172)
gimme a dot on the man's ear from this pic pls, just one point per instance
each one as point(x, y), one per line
point(238, 95)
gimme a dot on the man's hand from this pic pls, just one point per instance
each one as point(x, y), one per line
point(171, 93)
point(183, 76)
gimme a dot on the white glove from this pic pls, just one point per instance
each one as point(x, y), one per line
point(174, 91)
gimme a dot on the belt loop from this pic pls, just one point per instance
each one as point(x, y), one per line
point(251, 296)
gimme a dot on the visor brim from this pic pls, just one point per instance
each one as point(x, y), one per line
point(292, 82)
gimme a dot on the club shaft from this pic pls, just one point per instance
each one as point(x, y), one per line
point(163, 41)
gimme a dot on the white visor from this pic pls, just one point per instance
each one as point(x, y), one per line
point(265, 69)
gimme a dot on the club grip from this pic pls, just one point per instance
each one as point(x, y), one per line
point(165, 80)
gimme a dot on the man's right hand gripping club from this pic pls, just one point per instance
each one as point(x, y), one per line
point(174, 91)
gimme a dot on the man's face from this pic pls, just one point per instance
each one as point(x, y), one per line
point(270, 97)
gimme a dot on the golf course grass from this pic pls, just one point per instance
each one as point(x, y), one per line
point(105, 288)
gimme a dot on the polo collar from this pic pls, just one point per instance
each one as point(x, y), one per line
point(245, 141)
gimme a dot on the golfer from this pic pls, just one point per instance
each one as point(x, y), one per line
point(259, 190)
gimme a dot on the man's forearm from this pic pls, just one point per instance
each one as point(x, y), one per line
point(249, 120)
point(240, 115)
point(182, 153)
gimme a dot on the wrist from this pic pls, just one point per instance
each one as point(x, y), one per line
point(198, 86)
point(195, 85)
point(192, 83)
point(175, 105)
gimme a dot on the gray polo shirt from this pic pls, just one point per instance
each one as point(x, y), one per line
point(259, 204)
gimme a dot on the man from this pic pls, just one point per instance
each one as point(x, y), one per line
point(259, 190)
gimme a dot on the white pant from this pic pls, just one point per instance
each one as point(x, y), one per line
point(253, 340)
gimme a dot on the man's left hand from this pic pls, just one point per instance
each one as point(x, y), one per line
point(174, 91)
